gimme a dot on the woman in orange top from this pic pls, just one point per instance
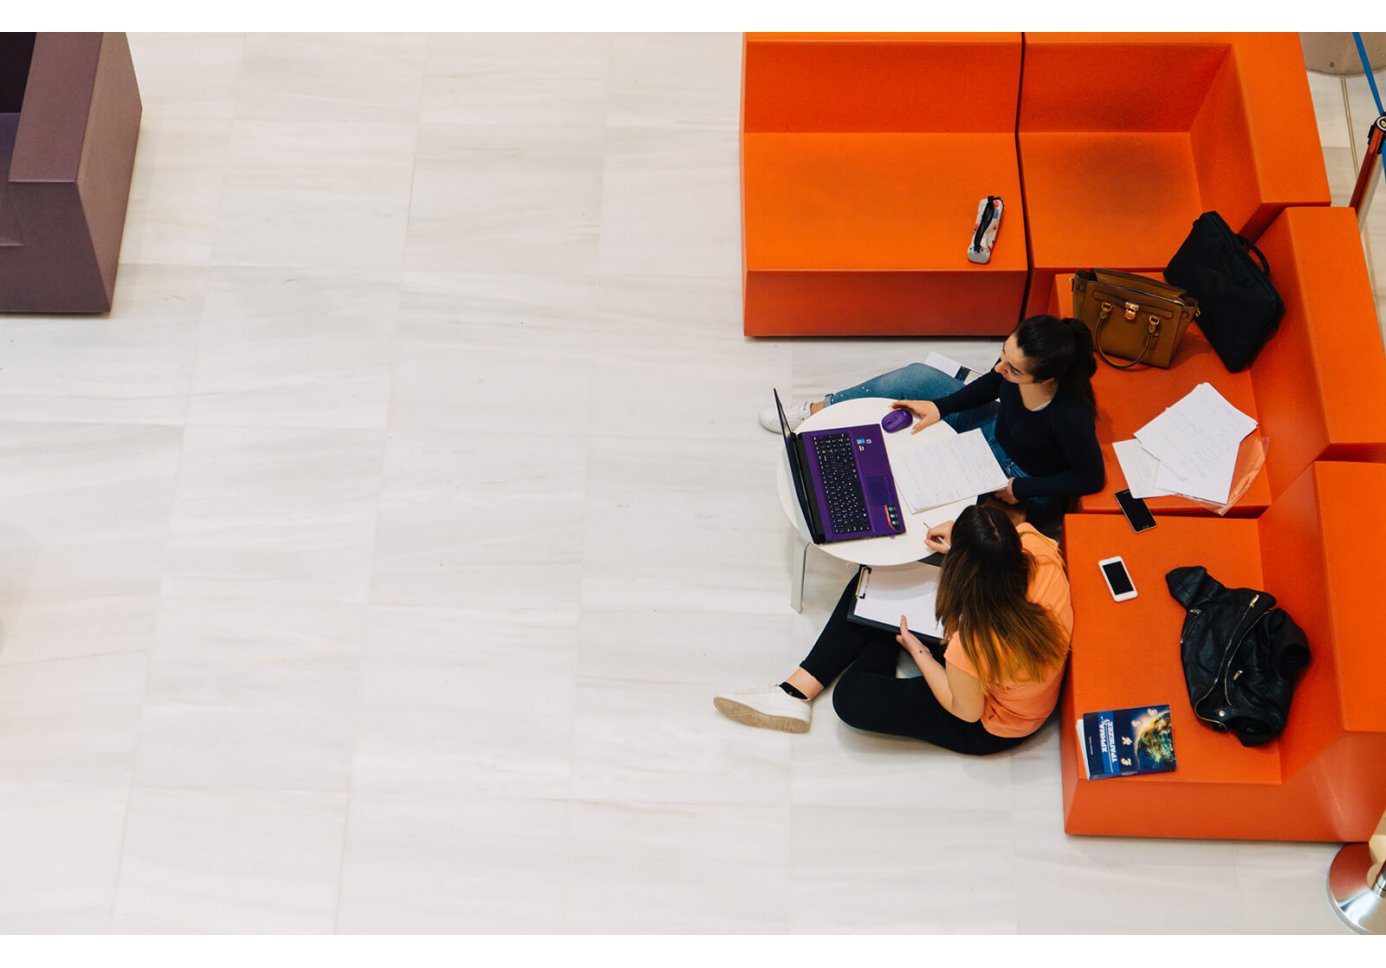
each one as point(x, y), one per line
point(1003, 602)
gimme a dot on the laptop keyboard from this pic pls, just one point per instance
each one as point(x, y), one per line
point(841, 485)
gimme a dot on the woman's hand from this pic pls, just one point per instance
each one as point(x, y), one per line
point(1007, 493)
point(925, 410)
point(911, 642)
point(940, 537)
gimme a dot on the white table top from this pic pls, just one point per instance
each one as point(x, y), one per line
point(895, 549)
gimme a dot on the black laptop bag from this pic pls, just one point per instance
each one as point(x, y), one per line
point(1239, 309)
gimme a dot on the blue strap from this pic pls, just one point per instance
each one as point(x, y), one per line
point(1367, 67)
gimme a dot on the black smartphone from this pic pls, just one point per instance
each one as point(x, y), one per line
point(1137, 514)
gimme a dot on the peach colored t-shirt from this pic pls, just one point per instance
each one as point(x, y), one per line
point(1020, 708)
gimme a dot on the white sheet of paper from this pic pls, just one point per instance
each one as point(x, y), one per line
point(948, 470)
point(908, 590)
point(946, 364)
point(1214, 484)
point(1139, 467)
point(1193, 437)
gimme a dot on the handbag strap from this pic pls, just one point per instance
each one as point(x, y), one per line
point(1265, 266)
point(1152, 334)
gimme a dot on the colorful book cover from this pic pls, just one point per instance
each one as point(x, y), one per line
point(1126, 742)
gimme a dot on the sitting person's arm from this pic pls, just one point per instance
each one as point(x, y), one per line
point(982, 390)
point(956, 691)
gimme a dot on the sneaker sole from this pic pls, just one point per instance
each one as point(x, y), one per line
point(742, 713)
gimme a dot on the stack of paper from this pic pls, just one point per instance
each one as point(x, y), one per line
point(948, 470)
point(1190, 449)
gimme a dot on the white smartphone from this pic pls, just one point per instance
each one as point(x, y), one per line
point(1118, 579)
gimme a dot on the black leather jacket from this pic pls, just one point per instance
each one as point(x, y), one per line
point(1242, 656)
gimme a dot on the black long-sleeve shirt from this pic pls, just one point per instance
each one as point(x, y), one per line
point(1056, 445)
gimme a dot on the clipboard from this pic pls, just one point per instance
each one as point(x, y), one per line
point(910, 590)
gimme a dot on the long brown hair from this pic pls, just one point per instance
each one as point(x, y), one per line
point(982, 596)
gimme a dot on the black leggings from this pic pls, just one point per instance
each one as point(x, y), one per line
point(869, 696)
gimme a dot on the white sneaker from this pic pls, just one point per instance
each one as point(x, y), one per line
point(794, 414)
point(768, 707)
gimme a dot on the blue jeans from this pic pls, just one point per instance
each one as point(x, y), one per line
point(920, 382)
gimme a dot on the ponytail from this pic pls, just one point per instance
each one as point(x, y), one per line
point(1060, 348)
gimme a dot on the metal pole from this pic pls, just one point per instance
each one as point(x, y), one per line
point(1358, 895)
point(1370, 173)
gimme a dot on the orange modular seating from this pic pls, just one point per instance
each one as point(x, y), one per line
point(863, 159)
point(1125, 138)
point(1317, 549)
point(1317, 389)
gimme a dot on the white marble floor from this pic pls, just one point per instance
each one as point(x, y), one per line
point(371, 568)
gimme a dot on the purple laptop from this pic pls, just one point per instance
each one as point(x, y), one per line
point(843, 480)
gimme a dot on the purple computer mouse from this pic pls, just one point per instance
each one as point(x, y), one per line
point(896, 420)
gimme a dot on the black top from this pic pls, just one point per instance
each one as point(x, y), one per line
point(1056, 445)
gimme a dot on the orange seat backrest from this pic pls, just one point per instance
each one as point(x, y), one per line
point(880, 82)
point(1243, 98)
point(1321, 558)
point(1101, 82)
point(1321, 380)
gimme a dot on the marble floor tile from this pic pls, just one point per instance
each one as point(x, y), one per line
point(481, 520)
point(175, 193)
point(1277, 896)
point(59, 852)
point(133, 366)
point(675, 81)
point(668, 355)
point(188, 76)
point(477, 79)
point(663, 742)
point(512, 200)
point(467, 703)
point(85, 526)
point(443, 865)
point(252, 694)
point(651, 643)
point(901, 870)
point(367, 77)
point(295, 348)
point(1342, 174)
point(86, 509)
point(217, 862)
point(670, 203)
point(325, 195)
point(660, 528)
point(276, 513)
point(1327, 93)
point(69, 723)
point(678, 868)
point(1093, 885)
point(494, 353)
point(838, 766)
point(515, 60)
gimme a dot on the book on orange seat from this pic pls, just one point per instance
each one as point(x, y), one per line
point(1126, 742)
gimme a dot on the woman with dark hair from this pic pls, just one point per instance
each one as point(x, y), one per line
point(1036, 409)
point(1003, 602)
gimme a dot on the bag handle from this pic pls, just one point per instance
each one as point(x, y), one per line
point(1265, 266)
point(1152, 333)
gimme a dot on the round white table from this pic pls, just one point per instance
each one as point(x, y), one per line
point(895, 549)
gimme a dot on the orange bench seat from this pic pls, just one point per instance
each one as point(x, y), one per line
point(1322, 778)
point(863, 160)
point(866, 233)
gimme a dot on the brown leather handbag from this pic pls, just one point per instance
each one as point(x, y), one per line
point(1132, 317)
